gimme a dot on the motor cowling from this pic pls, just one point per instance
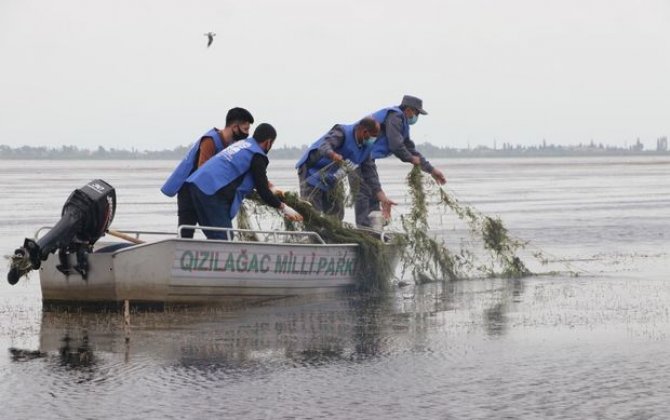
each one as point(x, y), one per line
point(86, 215)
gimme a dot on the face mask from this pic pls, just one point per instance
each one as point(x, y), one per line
point(413, 119)
point(370, 141)
point(239, 136)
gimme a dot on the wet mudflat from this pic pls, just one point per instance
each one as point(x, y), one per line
point(554, 345)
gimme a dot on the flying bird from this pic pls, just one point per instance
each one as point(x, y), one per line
point(210, 38)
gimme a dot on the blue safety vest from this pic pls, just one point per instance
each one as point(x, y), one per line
point(381, 148)
point(188, 164)
point(228, 165)
point(350, 149)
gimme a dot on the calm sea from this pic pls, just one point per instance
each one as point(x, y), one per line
point(551, 346)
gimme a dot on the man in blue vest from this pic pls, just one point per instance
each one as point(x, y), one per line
point(323, 164)
point(238, 123)
point(219, 186)
point(393, 139)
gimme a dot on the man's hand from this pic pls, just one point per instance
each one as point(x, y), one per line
point(290, 214)
point(386, 204)
point(335, 157)
point(438, 176)
point(276, 191)
point(415, 160)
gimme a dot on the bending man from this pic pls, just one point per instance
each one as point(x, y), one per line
point(238, 123)
point(220, 185)
point(393, 139)
point(320, 167)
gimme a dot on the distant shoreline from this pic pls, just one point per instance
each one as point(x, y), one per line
point(429, 150)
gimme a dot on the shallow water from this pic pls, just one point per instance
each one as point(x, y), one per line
point(548, 346)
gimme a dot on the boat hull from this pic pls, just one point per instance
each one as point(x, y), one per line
point(201, 271)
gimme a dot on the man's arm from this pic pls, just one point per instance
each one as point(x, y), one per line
point(207, 150)
point(370, 176)
point(423, 162)
point(333, 141)
point(402, 147)
point(259, 167)
point(425, 165)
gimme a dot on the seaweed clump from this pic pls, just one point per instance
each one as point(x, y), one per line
point(374, 265)
point(430, 260)
point(244, 222)
point(494, 235)
point(427, 259)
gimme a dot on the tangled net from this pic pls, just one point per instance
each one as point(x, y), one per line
point(430, 260)
point(425, 258)
point(374, 258)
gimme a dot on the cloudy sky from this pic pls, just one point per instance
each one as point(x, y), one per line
point(135, 73)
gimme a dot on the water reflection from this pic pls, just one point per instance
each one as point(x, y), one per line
point(495, 319)
point(74, 358)
point(22, 355)
point(302, 354)
point(298, 331)
point(76, 352)
point(485, 303)
point(369, 315)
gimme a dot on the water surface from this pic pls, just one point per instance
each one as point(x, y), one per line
point(549, 346)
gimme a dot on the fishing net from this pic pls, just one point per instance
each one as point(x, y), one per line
point(421, 255)
point(374, 257)
point(428, 258)
point(374, 267)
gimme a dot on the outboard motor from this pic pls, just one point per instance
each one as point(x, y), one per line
point(86, 216)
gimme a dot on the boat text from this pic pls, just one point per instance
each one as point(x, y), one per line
point(311, 264)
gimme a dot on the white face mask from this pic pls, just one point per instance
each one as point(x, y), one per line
point(413, 119)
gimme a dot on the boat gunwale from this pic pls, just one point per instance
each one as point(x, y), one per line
point(223, 242)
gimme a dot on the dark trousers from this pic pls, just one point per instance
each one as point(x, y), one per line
point(327, 202)
point(186, 214)
point(364, 204)
point(364, 200)
point(212, 210)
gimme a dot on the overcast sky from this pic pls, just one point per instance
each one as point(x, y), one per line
point(133, 73)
